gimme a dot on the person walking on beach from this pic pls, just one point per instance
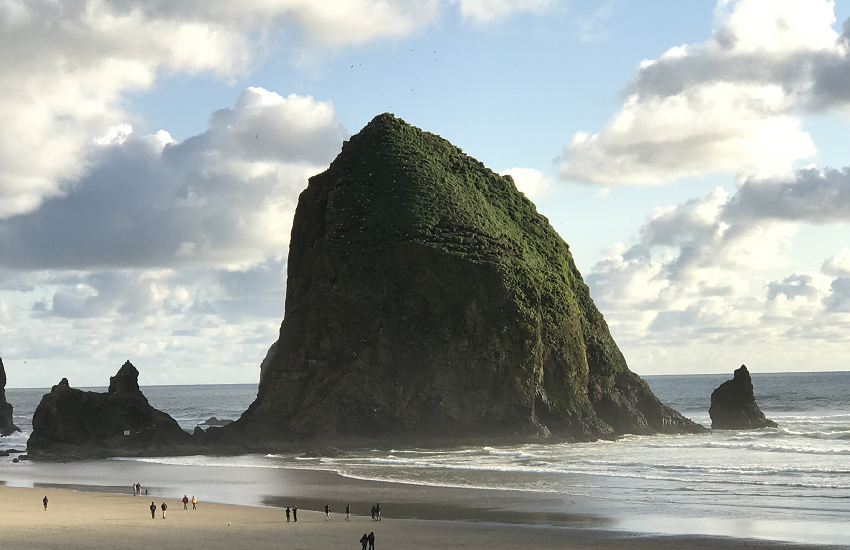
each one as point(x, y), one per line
point(295, 513)
point(287, 514)
point(372, 540)
point(164, 507)
point(348, 512)
point(373, 512)
point(44, 500)
point(364, 540)
point(327, 513)
point(378, 511)
point(135, 489)
point(194, 503)
point(185, 502)
point(153, 510)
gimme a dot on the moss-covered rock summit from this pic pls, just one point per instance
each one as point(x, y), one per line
point(428, 301)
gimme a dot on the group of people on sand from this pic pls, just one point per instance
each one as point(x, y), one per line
point(376, 512)
point(368, 539)
point(186, 502)
point(347, 512)
point(164, 506)
point(294, 513)
point(137, 489)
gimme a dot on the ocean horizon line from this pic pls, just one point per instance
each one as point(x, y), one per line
point(729, 372)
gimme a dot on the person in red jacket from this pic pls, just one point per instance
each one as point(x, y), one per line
point(185, 502)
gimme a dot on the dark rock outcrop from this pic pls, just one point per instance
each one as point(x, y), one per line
point(7, 425)
point(215, 422)
point(733, 405)
point(69, 422)
point(428, 301)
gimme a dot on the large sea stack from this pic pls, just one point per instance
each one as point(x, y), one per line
point(733, 405)
point(69, 422)
point(7, 426)
point(428, 302)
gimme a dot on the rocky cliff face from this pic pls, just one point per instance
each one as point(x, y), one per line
point(427, 300)
point(74, 423)
point(733, 405)
point(7, 426)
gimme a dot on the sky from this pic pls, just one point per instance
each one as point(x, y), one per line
point(694, 155)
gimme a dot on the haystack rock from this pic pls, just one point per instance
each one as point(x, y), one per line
point(69, 422)
point(7, 426)
point(733, 405)
point(427, 301)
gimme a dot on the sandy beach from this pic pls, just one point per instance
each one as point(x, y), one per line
point(97, 520)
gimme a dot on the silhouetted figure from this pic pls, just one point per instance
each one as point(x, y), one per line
point(164, 507)
point(327, 513)
point(348, 512)
point(364, 540)
point(153, 510)
point(372, 540)
point(373, 512)
point(44, 500)
point(295, 513)
point(378, 511)
point(287, 514)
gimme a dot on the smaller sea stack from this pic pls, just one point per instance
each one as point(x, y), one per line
point(72, 423)
point(7, 427)
point(733, 405)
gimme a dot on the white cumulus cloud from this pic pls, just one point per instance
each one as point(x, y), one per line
point(65, 65)
point(225, 197)
point(731, 104)
point(702, 276)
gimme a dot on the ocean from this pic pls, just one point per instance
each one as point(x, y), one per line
point(790, 483)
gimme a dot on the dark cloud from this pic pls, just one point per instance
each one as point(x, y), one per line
point(798, 284)
point(221, 198)
point(839, 298)
point(813, 195)
point(831, 77)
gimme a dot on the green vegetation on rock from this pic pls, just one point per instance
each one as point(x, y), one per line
point(428, 300)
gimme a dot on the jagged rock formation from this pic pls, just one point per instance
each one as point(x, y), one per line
point(7, 426)
point(428, 301)
point(215, 422)
point(74, 423)
point(733, 405)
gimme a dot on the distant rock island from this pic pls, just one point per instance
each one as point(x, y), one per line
point(733, 405)
point(74, 423)
point(428, 301)
point(7, 426)
point(215, 422)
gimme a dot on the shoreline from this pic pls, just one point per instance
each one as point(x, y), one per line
point(461, 517)
point(97, 520)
